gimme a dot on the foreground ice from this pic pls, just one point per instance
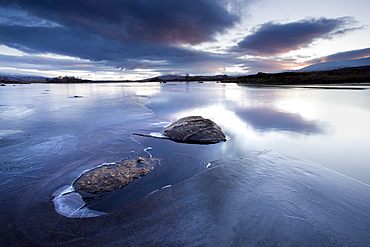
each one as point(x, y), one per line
point(70, 204)
point(261, 199)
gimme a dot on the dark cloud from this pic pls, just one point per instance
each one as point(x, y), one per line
point(160, 21)
point(59, 40)
point(127, 34)
point(137, 34)
point(276, 38)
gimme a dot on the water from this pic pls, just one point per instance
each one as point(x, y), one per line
point(225, 194)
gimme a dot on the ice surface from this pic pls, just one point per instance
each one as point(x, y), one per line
point(63, 190)
point(166, 186)
point(70, 204)
point(158, 135)
point(146, 151)
point(14, 112)
point(260, 199)
point(162, 124)
point(263, 199)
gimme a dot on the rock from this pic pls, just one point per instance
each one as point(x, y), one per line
point(195, 129)
point(111, 177)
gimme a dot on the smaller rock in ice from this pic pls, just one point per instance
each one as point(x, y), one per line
point(110, 177)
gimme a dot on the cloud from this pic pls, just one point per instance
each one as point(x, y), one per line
point(157, 22)
point(46, 63)
point(253, 65)
point(354, 54)
point(58, 40)
point(127, 34)
point(278, 64)
point(275, 38)
point(152, 35)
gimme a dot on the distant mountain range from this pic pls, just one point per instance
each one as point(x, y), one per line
point(20, 78)
point(327, 66)
point(187, 78)
point(337, 65)
point(359, 74)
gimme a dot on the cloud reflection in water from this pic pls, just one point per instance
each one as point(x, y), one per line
point(269, 119)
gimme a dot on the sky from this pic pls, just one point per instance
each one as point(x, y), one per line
point(137, 39)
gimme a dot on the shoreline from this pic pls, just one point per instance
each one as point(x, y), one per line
point(348, 75)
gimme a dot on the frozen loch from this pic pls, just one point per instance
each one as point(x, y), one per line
point(268, 199)
point(261, 199)
point(223, 194)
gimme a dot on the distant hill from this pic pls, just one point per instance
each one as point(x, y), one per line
point(188, 78)
point(170, 77)
point(337, 65)
point(355, 70)
point(344, 75)
point(20, 78)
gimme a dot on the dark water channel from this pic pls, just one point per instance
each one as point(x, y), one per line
point(248, 191)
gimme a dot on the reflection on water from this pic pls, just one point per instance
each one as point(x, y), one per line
point(267, 119)
point(48, 137)
point(329, 127)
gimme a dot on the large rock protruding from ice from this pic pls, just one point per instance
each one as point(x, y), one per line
point(195, 129)
point(110, 177)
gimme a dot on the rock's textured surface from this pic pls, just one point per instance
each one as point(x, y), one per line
point(195, 129)
point(112, 176)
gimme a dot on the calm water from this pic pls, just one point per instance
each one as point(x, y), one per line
point(48, 137)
